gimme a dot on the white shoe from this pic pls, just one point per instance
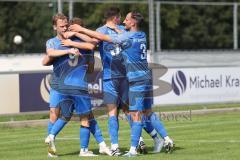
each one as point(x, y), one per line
point(158, 145)
point(168, 145)
point(51, 147)
point(87, 154)
point(129, 154)
point(47, 140)
point(105, 150)
point(50, 155)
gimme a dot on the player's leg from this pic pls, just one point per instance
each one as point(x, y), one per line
point(111, 100)
point(153, 118)
point(66, 106)
point(84, 136)
point(55, 99)
point(64, 117)
point(83, 109)
point(136, 131)
point(53, 109)
point(124, 103)
point(113, 126)
point(147, 95)
point(141, 144)
point(135, 110)
point(97, 133)
point(148, 127)
point(53, 115)
point(124, 98)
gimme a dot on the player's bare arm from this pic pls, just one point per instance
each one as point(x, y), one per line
point(86, 38)
point(80, 45)
point(57, 53)
point(91, 33)
point(114, 27)
point(81, 36)
point(47, 61)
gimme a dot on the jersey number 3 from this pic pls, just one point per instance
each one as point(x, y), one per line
point(144, 51)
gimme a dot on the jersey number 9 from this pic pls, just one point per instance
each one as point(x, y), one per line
point(73, 60)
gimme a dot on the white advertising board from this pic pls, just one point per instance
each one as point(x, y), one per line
point(200, 85)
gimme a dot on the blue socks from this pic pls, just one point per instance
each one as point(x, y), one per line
point(158, 126)
point(113, 127)
point(84, 137)
point(50, 125)
point(136, 131)
point(147, 126)
point(57, 127)
point(95, 130)
point(129, 119)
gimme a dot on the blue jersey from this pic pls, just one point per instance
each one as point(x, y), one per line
point(69, 72)
point(134, 51)
point(112, 61)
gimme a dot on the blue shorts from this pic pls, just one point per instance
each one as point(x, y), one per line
point(140, 95)
point(80, 103)
point(115, 91)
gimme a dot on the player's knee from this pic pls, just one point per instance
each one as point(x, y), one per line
point(84, 120)
point(53, 119)
point(112, 110)
point(53, 116)
point(85, 123)
point(136, 116)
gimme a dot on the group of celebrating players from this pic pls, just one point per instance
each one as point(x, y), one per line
point(127, 82)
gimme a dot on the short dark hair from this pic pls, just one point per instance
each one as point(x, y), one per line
point(111, 12)
point(138, 17)
point(57, 17)
point(76, 20)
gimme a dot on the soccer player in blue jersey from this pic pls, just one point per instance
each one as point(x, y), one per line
point(69, 88)
point(134, 52)
point(115, 84)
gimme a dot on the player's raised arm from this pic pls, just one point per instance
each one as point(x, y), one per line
point(86, 38)
point(81, 36)
point(80, 45)
point(91, 33)
point(114, 27)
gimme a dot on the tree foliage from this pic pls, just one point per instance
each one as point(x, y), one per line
point(197, 27)
point(30, 20)
point(182, 26)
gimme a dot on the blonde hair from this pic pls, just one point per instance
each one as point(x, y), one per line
point(57, 17)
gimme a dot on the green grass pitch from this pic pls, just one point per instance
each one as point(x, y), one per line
point(208, 137)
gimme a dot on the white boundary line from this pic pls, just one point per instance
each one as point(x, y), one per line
point(193, 112)
point(121, 139)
